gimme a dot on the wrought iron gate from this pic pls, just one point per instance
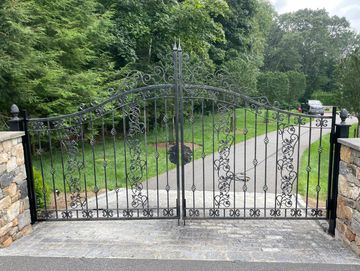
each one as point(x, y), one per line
point(179, 143)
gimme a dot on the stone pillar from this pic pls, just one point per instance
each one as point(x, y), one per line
point(14, 202)
point(348, 206)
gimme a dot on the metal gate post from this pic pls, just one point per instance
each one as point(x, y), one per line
point(342, 131)
point(21, 124)
point(331, 161)
point(181, 115)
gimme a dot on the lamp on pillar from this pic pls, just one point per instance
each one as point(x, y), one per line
point(14, 122)
point(344, 114)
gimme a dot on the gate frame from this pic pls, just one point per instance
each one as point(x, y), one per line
point(337, 131)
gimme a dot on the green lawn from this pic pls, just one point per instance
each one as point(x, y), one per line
point(309, 181)
point(192, 133)
point(309, 186)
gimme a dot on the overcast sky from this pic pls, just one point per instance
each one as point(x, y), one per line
point(343, 8)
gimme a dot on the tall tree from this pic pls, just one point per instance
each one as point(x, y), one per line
point(16, 51)
point(55, 53)
point(309, 41)
point(349, 79)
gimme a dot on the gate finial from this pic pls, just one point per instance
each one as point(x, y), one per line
point(175, 47)
point(179, 48)
point(344, 114)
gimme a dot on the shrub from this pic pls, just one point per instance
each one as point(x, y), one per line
point(297, 86)
point(273, 85)
point(327, 98)
point(42, 195)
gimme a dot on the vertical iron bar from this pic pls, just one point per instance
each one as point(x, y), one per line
point(104, 163)
point(331, 160)
point(245, 162)
point(176, 90)
point(181, 108)
point(318, 187)
point(125, 160)
point(342, 131)
point(266, 154)
point(147, 153)
point(42, 173)
point(156, 159)
point(26, 141)
point(193, 151)
point(63, 172)
point(203, 154)
point(234, 165)
point(276, 157)
point(94, 165)
point(115, 164)
point(255, 155)
point(52, 169)
point(166, 119)
point(308, 170)
point(83, 160)
point(213, 150)
point(298, 166)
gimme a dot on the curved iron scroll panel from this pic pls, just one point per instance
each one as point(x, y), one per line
point(137, 163)
point(286, 165)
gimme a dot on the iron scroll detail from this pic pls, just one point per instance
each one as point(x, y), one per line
point(137, 163)
point(286, 166)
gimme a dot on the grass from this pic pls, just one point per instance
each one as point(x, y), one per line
point(316, 178)
point(94, 174)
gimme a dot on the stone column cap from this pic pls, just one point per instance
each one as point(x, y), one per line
point(10, 135)
point(353, 143)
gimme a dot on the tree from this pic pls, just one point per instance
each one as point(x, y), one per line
point(274, 85)
point(147, 28)
point(54, 54)
point(297, 86)
point(349, 78)
point(309, 41)
point(16, 51)
point(242, 73)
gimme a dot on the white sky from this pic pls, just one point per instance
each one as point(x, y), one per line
point(343, 8)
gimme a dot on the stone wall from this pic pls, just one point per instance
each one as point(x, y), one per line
point(14, 201)
point(348, 209)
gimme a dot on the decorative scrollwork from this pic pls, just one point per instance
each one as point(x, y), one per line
point(285, 165)
point(296, 213)
point(168, 212)
point(234, 213)
point(225, 139)
point(194, 212)
point(316, 212)
point(321, 123)
point(69, 137)
point(87, 214)
point(108, 213)
point(222, 167)
point(128, 213)
point(66, 214)
point(148, 213)
point(137, 163)
point(254, 212)
point(214, 212)
point(275, 212)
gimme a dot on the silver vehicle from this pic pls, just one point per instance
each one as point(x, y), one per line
point(313, 107)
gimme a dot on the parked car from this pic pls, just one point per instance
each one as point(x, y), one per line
point(313, 107)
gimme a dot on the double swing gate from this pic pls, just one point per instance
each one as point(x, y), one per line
point(179, 143)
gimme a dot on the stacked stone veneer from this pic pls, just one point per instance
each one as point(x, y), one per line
point(348, 209)
point(14, 202)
